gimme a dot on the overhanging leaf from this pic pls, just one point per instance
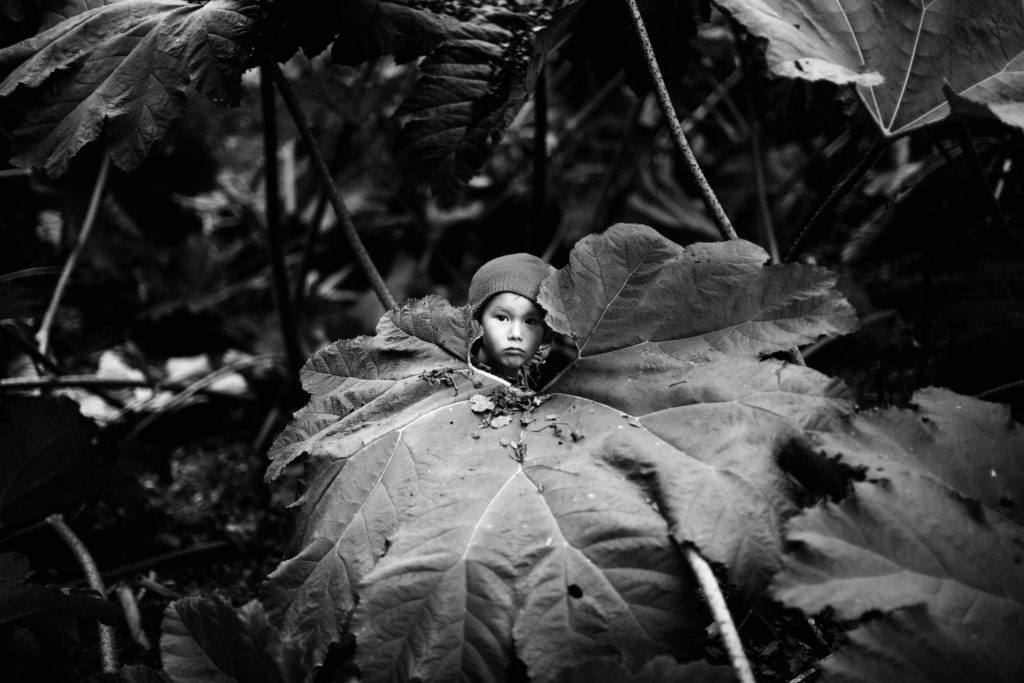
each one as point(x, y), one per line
point(461, 105)
point(898, 54)
point(122, 67)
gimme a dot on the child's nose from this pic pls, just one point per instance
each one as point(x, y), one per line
point(515, 331)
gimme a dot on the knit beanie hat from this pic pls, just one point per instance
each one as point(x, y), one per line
point(517, 273)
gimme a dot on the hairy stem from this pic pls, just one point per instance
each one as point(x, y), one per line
point(274, 237)
point(43, 335)
point(347, 226)
point(714, 207)
point(838, 193)
point(726, 627)
point(108, 644)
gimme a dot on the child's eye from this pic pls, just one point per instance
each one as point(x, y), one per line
point(501, 317)
point(532, 321)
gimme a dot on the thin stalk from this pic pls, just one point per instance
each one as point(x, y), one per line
point(92, 382)
point(984, 187)
point(720, 612)
point(48, 366)
point(43, 335)
point(764, 212)
point(199, 385)
point(308, 247)
point(274, 236)
point(108, 644)
point(540, 148)
point(714, 207)
point(167, 558)
point(838, 193)
point(347, 226)
point(989, 393)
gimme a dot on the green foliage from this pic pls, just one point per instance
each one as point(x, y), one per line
point(899, 54)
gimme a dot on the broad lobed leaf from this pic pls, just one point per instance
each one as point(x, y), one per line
point(122, 67)
point(899, 54)
point(522, 542)
point(553, 555)
point(207, 639)
point(917, 535)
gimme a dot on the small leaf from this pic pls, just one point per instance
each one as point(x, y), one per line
point(480, 404)
point(500, 421)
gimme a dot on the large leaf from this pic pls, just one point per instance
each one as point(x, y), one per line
point(553, 554)
point(476, 532)
point(898, 54)
point(46, 458)
point(913, 535)
point(364, 392)
point(671, 335)
point(122, 67)
point(205, 639)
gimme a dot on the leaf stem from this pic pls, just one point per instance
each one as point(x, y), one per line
point(108, 648)
point(726, 626)
point(347, 226)
point(714, 207)
point(989, 393)
point(766, 226)
point(984, 187)
point(274, 237)
point(840, 191)
point(43, 335)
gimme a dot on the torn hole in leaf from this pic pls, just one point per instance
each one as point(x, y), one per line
point(575, 591)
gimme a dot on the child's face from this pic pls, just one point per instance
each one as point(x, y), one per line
point(513, 330)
